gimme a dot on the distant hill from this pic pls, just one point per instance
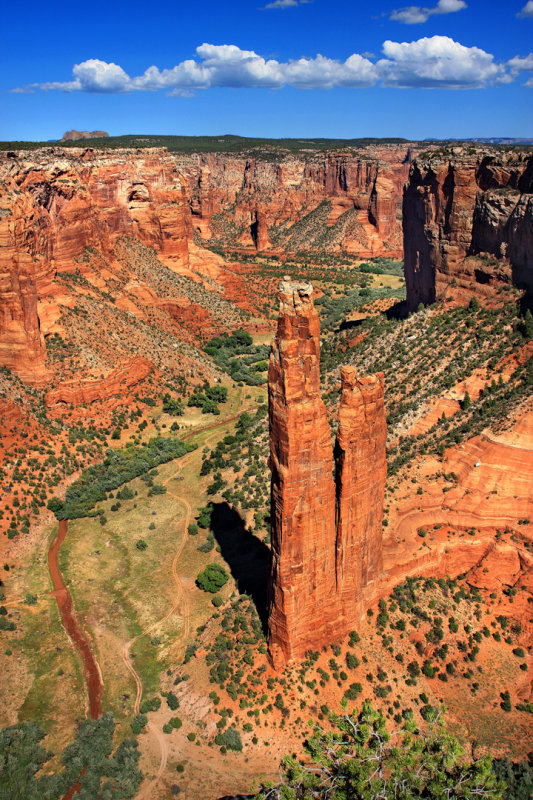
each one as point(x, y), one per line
point(209, 144)
point(229, 143)
point(74, 136)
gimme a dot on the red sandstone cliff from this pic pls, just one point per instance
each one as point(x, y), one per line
point(116, 383)
point(57, 203)
point(323, 556)
point(361, 474)
point(468, 226)
point(348, 200)
point(54, 205)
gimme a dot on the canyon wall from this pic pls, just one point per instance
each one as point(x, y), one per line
point(87, 392)
point(326, 540)
point(324, 201)
point(54, 205)
point(468, 226)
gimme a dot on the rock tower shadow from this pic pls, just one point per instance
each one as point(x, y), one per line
point(247, 557)
point(399, 310)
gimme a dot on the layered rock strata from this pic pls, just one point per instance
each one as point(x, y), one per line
point(54, 205)
point(57, 203)
point(349, 200)
point(326, 541)
point(118, 382)
point(468, 226)
point(302, 588)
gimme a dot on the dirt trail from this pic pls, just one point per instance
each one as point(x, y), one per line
point(148, 788)
point(181, 600)
point(93, 676)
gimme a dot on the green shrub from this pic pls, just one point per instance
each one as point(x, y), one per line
point(212, 578)
point(230, 739)
point(204, 516)
point(150, 704)
point(352, 662)
point(428, 669)
point(428, 712)
point(506, 701)
point(138, 723)
point(353, 690)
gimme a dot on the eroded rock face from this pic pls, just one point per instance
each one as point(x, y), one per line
point(361, 473)
point(301, 201)
point(320, 567)
point(468, 226)
point(117, 383)
point(303, 492)
point(54, 205)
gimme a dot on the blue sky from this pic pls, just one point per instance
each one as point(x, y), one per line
point(335, 68)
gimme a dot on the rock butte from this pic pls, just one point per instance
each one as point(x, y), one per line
point(75, 136)
point(326, 538)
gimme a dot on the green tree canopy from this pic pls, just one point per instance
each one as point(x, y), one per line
point(358, 759)
point(89, 760)
point(213, 577)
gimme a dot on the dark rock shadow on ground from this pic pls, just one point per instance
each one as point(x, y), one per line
point(350, 324)
point(398, 310)
point(247, 557)
point(526, 302)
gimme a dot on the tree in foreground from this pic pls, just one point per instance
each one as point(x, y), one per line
point(22, 756)
point(90, 761)
point(358, 759)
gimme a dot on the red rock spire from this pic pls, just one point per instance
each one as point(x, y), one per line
point(302, 586)
point(325, 549)
point(361, 473)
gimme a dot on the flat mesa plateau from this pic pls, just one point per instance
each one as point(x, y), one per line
point(152, 386)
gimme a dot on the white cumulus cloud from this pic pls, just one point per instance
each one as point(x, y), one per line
point(527, 11)
point(430, 62)
point(415, 15)
point(521, 64)
point(282, 4)
point(437, 61)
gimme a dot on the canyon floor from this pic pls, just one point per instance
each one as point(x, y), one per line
point(450, 621)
